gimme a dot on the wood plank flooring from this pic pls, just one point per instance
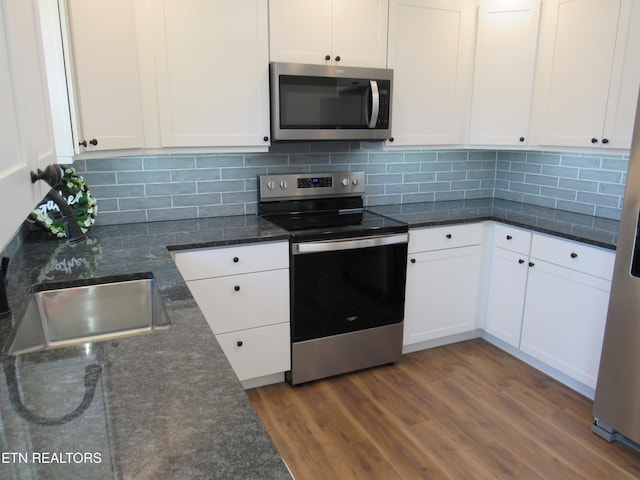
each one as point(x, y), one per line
point(462, 411)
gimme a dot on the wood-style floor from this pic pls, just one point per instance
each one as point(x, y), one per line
point(463, 411)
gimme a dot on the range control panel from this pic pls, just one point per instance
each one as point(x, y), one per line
point(310, 185)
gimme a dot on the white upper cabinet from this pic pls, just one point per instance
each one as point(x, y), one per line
point(213, 72)
point(345, 32)
point(589, 73)
point(431, 53)
point(506, 46)
point(106, 74)
point(26, 136)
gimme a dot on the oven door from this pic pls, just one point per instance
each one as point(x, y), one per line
point(347, 285)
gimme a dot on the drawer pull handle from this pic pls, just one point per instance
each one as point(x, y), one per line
point(236, 259)
point(574, 255)
point(237, 288)
point(509, 237)
point(448, 235)
point(521, 261)
point(413, 260)
point(239, 343)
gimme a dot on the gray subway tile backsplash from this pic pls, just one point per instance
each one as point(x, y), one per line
point(165, 187)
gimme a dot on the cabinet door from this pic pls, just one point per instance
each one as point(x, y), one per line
point(300, 31)
point(359, 32)
point(564, 318)
point(238, 302)
point(625, 79)
point(506, 46)
point(578, 42)
point(442, 293)
point(104, 59)
point(258, 352)
point(213, 73)
point(507, 287)
point(26, 137)
point(431, 53)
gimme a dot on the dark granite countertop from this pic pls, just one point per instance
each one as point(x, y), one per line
point(597, 231)
point(160, 405)
point(167, 404)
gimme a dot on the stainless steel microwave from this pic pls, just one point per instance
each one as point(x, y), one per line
point(329, 102)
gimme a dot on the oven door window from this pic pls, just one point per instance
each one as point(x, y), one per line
point(347, 290)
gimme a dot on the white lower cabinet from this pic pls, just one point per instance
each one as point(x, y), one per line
point(243, 292)
point(550, 301)
point(566, 308)
point(443, 280)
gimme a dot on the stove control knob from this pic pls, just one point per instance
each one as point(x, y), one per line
point(356, 181)
point(271, 184)
point(345, 182)
point(283, 184)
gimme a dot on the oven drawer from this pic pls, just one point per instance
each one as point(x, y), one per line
point(450, 236)
point(258, 351)
point(244, 301)
point(218, 262)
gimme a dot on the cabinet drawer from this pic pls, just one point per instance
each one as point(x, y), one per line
point(238, 302)
point(577, 256)
point(217, 262)
point(258, 351)
point(451, 236)
point(512, 238)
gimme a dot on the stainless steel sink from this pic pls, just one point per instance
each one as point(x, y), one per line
point(90, 313)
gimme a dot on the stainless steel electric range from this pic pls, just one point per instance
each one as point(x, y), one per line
point(348, 272)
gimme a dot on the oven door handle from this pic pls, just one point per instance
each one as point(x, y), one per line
point(348, 244)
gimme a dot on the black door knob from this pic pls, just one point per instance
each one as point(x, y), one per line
point(448, 235)
point(239, 343)
point(265, 138)
point(327, 57)
point(236, 259)
point(574, 255)
point(237, 288)
point(413, 260)
point(521, 261)
point(605, 140)
point(83, 143)
point(391, 139)
point(93, 141)
point(521, 139)
point(531, 264)
point(337, 58)
point(594, 140)
point(509, 237)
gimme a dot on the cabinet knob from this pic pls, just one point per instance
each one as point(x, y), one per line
point(521, 139)
point(83, 143)
point(391, 139)
point(448, 235)
point(594, 140)
point(93, 141)
point(239, 343)
point(236, 259)
point(521, 261)
point(574, 255)
point(605, 140)
point(337, 58)
point(237, 288)
point(265, 138)
point(327, 57)
point(413, 260)
point(531, 264)
point(509, 237)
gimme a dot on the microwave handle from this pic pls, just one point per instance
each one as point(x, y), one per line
point(375, 104)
